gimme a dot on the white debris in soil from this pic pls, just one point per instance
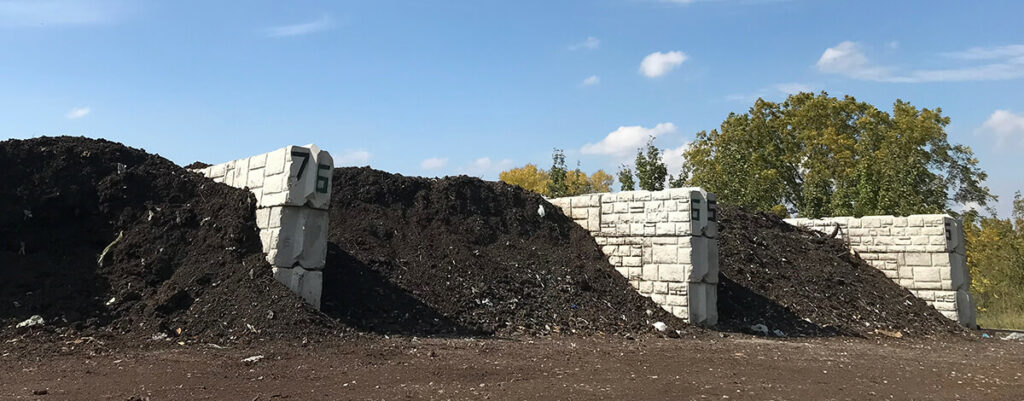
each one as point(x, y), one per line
point(35, 320)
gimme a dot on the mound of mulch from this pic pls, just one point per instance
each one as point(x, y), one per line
point(804, 283)
point(464, 256)
point(187, 263)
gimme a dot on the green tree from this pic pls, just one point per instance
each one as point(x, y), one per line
point(650, 169)
point(557, 186)
point(626, 178)
point(822, 156)
point(995, 257)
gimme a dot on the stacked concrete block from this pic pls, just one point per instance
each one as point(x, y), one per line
point(292, 186)
point(922, 253)
point(664, 242)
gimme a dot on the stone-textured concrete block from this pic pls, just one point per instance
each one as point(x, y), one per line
point(308, 284)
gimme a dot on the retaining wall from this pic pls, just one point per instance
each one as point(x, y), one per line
point(922, 253)
point(664, 242)
point(293, 191)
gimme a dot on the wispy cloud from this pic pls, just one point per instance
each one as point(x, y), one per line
point(1007, 126)
point(625, 140)
point(590, 43)
point(434, 163)
point(998, 63)
point(591, 80)
point(657, 64)
point(349, 157)
point(322, 24)
point(77, 112)
point(485, 167)
point(51, 13)
point(784, 88)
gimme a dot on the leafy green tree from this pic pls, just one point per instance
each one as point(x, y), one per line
point(626, 178)
point(650, 169)
point(822, 156)
point(558, 186)
point(995, 257)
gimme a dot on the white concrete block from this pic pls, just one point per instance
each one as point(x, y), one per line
point(673, 272)
point(306, 283)
point(302, 239)
point(276, 162)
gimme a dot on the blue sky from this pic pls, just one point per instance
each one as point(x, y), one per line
point(474, 87)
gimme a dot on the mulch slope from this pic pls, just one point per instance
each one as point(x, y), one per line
point(462, 255)
point(803, 283)
point(189, 257)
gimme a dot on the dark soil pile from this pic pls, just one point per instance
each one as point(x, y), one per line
point(462, 255)
point(806, 284)
point(187, 263)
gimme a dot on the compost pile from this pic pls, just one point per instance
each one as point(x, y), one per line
point(97, 236)
point(804, 283)
point(462, 255)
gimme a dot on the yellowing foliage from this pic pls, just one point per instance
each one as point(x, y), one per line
point(577, 182)
point(529, 177)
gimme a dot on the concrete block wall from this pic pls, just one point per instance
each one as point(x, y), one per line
point(925, 254)
point(293, 191)
point(664, 242)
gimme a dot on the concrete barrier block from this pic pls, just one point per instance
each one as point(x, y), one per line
point(674, 272)
point(965, 309)
point(308, 284)
point(301, 238)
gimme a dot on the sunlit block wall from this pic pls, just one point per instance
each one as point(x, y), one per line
point(664, 242)
point(923, 253)
point(293, 191)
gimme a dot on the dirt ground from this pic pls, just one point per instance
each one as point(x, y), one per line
point(735, 368)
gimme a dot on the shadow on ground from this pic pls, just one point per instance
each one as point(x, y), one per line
point(365, 300)
point(739, 308)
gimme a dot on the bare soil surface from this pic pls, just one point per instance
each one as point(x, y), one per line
point(98, 237)
point(422, 256)
point(804, 283)
point(565, 368)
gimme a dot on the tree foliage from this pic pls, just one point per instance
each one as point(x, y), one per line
point(573, 182)
point(626, 178)
point(529, 177)
point(823, 156)
point(557, 185)
point(651, 172)
point(995, 257)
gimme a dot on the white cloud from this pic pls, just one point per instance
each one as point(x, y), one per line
point(50, 13)
point(626, 140)
point(674, 158)
point(350, 157)
point(1006, 126)
point(591, 43)
point(77, 112)
point(591, 80)
point(849, 59)
point(321, 24)
point(434, 163)
point(485, 167)
point(785, 88)
point(988, 53)
point(790, 88)
point(657, 64)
